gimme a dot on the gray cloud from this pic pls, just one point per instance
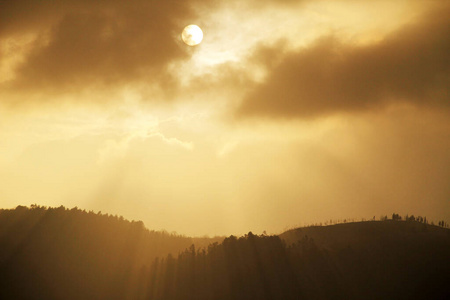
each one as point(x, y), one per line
point(410, 65)
point(83, 43)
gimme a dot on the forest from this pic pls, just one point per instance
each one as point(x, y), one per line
point(60, 253)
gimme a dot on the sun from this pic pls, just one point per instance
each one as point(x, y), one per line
point(192, 35)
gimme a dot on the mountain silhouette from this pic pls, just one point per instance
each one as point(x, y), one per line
point(59, 253)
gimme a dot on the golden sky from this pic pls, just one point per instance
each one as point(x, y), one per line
point(288, 113)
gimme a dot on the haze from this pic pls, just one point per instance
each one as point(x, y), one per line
point(288, 112)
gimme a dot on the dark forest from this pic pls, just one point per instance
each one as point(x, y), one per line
point(59, 253)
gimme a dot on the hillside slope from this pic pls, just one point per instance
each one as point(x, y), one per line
point(57, 253)
point(71, 254)
point(387, 260)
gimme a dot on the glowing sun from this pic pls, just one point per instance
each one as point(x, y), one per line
point(192, 35)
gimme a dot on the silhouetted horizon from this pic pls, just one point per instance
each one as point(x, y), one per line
point(59, 253)
point(393, 216)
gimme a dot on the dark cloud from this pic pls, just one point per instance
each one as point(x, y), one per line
point(19, 16)
point(409, 65)
point(83, 43)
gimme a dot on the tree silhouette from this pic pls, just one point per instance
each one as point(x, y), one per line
point(56, 253)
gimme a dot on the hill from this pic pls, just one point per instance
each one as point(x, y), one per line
point(383, 259)
point(364, 233)
point(57, 253)
point(71, 254)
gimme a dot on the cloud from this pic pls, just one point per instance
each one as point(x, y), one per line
point(118, 148)
point(79, 45)
point(83, 44)
point(410, 65)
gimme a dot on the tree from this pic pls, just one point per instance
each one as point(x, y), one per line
point(396, 217)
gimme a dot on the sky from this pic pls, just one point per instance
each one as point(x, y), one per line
point(288, 113)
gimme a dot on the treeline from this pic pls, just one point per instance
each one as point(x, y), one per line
point(420, 219)
point(394, 217)
point(249, 267)
point(64, 225)
point(60, 253)
point(405, 263)
point(71, 254)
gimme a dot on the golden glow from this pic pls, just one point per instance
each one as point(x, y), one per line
point(277, 120)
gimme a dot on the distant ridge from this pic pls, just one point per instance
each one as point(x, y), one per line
point(364, 232)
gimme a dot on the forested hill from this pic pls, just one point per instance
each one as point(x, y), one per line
point(368, 234)
point(59, 252)
point(64, 230)
point(380, 259)
point(71, 254)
